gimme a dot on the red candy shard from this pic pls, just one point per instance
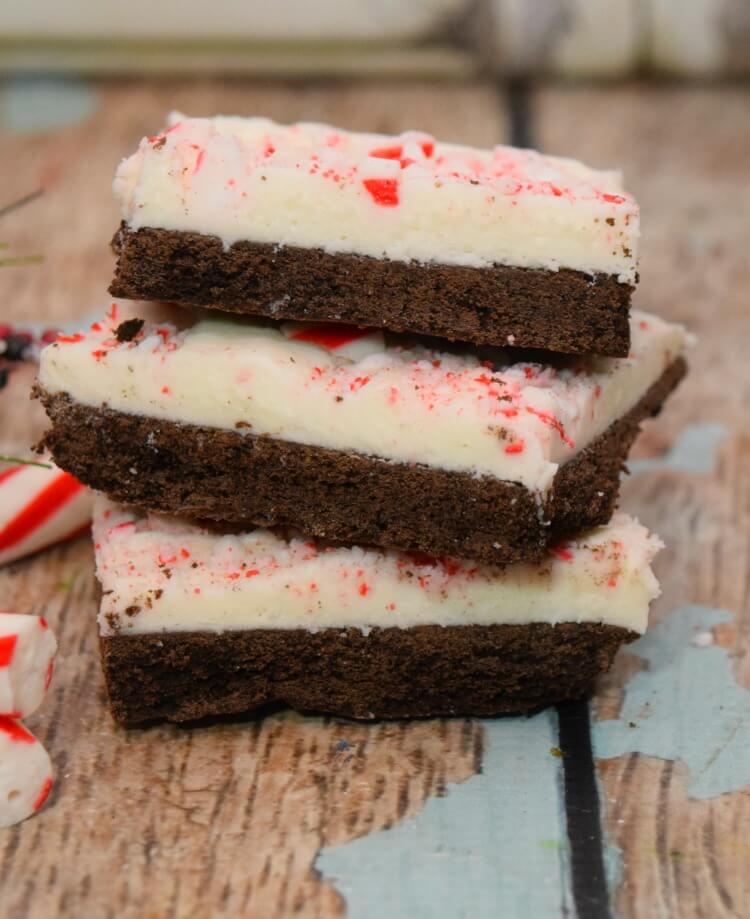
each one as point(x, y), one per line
point(15, 730)
point(428, 147)
point(388, 153)
point(329, 335)
point(43, 794)
point(517, 447)
point(48, 675)
point(68, 339)
point(7, 649)
point(613, 199)
point(382, 191)
point(563, 554)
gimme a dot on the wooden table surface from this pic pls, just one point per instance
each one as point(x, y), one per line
point(637, 805)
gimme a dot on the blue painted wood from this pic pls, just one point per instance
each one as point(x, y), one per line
point(686, 706)
point(30, 104)
point(494, 846)
point(694, 450)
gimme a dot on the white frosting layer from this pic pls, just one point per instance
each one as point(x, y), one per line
point(309, 384)
point(159, 573)
point(403, 198)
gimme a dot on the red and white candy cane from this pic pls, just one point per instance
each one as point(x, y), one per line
point(25, 773)
point(27, 655)
point(39, 507)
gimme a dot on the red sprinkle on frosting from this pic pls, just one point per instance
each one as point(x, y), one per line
point(553, 423)
point(382, 191)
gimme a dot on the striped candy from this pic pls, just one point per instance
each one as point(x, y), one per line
point(27, 654)
point(25, 773)
point(39, 507)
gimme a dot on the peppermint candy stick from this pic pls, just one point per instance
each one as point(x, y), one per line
point(39, 506)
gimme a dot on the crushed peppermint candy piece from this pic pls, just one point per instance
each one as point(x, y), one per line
point(27, 655)
point(25, 773)
point(346, 341)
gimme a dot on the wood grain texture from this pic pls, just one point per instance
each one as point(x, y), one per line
point(684, 153)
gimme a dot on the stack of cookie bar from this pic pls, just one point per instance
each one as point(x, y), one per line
point(362, 425)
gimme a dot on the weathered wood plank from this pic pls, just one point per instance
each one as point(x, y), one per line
point(684, 153)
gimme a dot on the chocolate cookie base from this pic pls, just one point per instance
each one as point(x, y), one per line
point(390, 673)
point(218, 474)
point(565, 311)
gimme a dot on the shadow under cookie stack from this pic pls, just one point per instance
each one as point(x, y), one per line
point(359, 431)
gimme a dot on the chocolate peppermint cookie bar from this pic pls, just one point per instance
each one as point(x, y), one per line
point(311, 222)
point(196, 623)
point(351, 435)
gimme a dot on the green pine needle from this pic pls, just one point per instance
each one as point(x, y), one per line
point(24, 462)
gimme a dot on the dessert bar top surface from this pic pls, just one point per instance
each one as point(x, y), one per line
point(484, 411)
point(160, 573)
point(403, 197)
